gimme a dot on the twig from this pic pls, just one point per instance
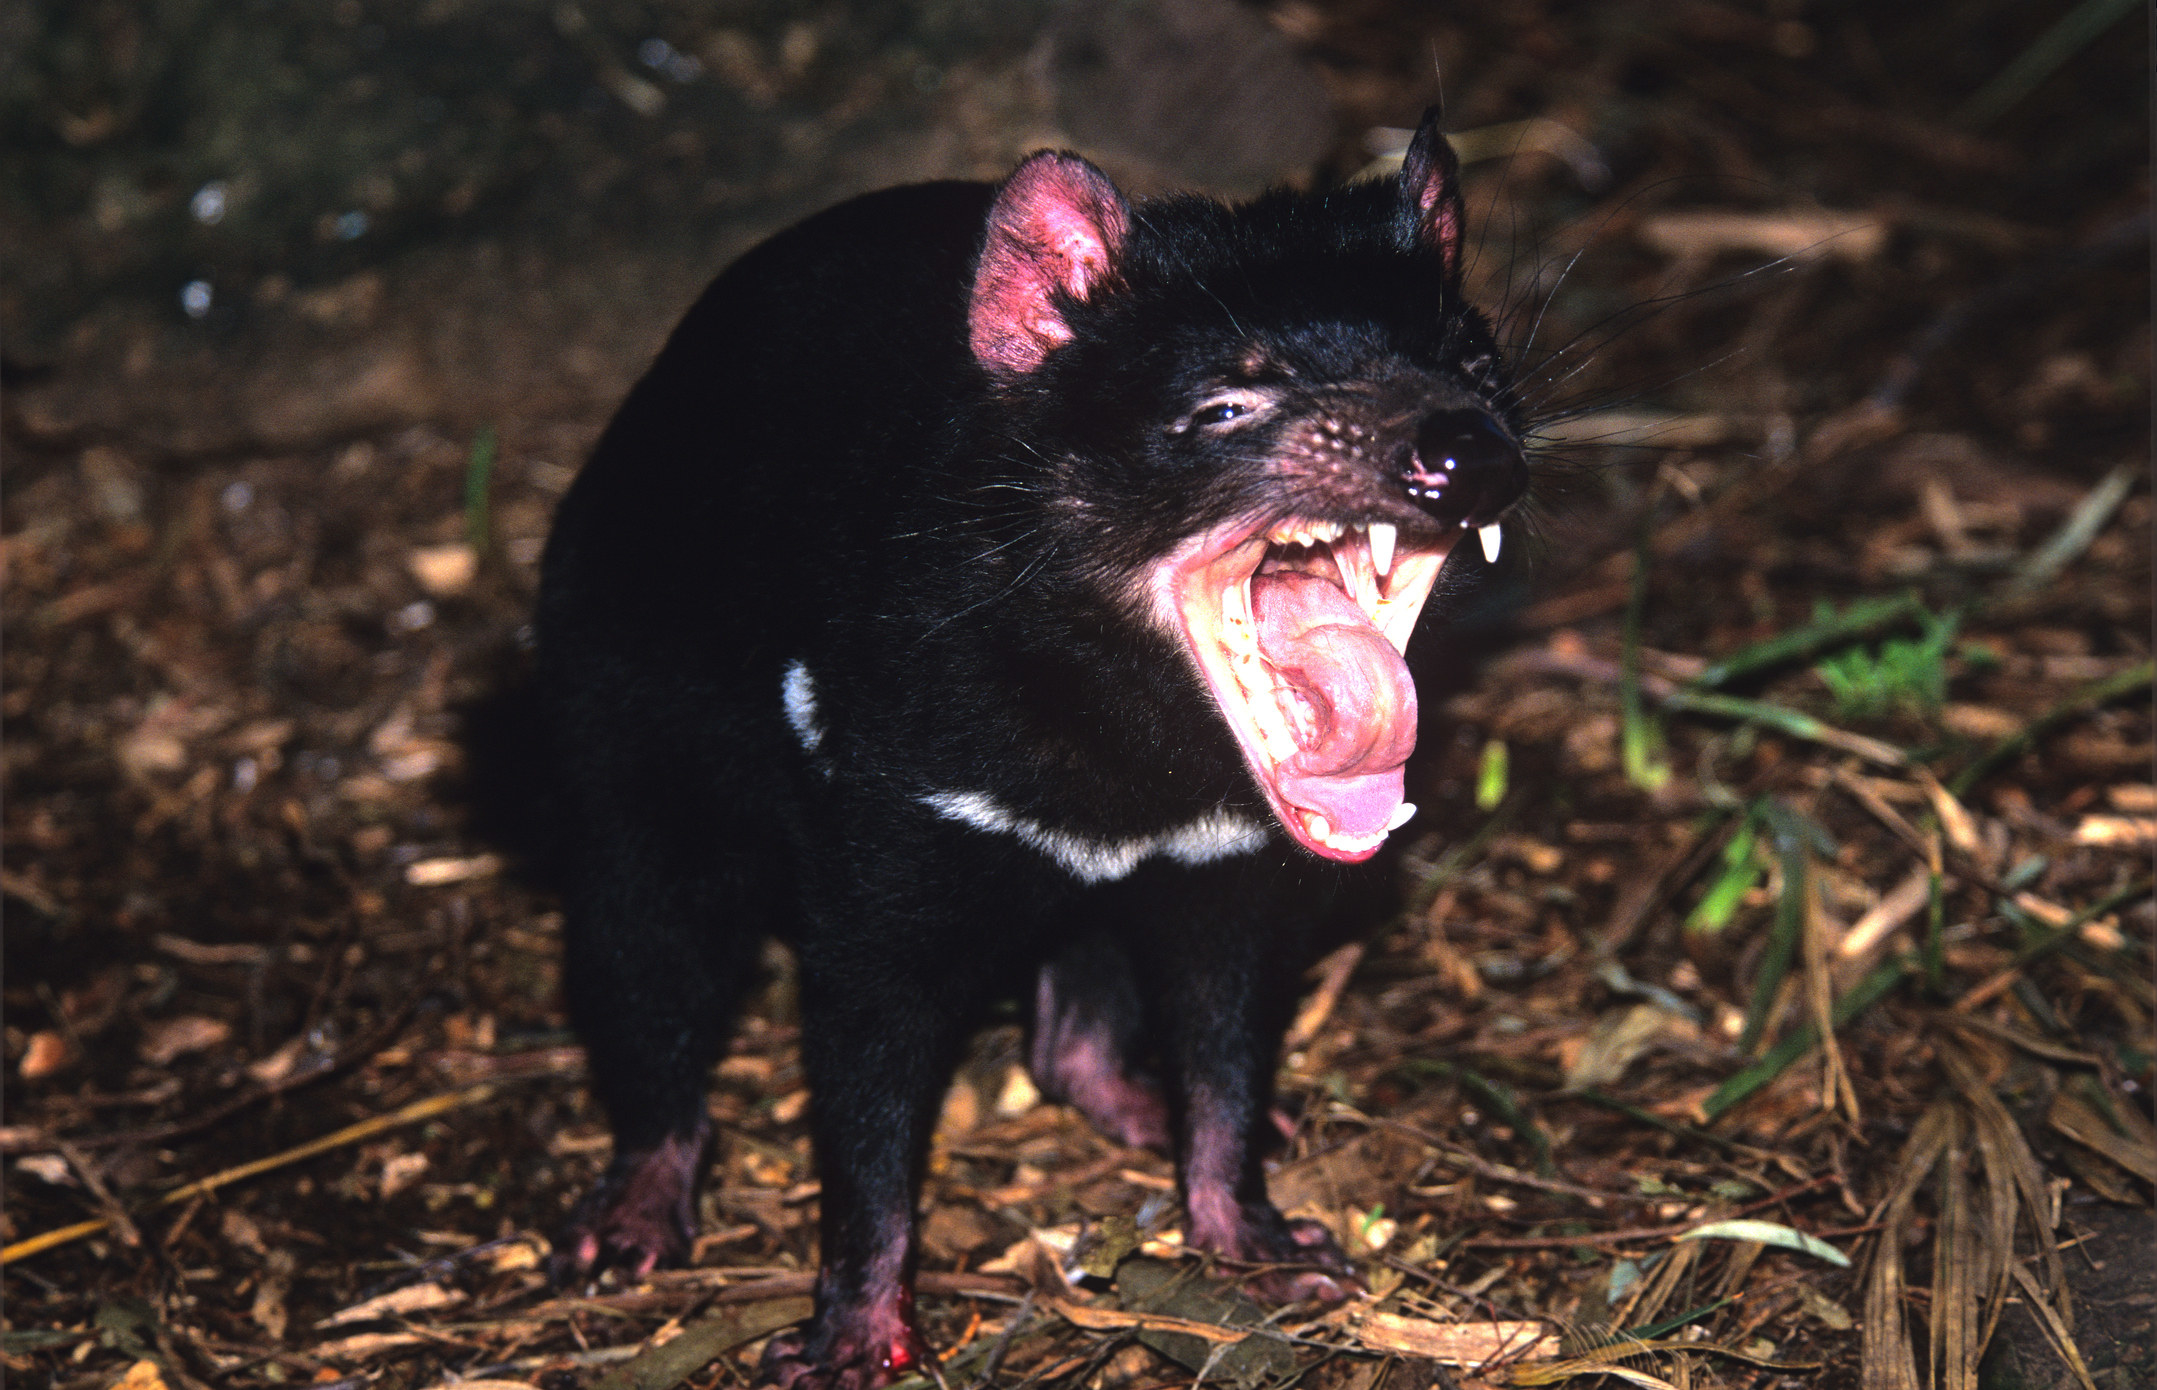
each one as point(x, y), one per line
point(115, 1215)
point(1333, 973)
point(1639, 1233)
point(2044, 564)
point(1498, 1172)
point(2088, 698)
point(202, 1187)
point(2044, 945)
point(165, 1133)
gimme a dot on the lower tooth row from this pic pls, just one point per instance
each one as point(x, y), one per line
point(1322, 831)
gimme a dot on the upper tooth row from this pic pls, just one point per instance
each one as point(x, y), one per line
point(1382, 536)
point(1307, 532)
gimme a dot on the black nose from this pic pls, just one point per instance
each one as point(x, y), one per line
point(1465, 470)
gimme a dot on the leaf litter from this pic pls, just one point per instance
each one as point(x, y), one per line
point(1785, 892)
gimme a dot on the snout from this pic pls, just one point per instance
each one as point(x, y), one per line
point(1464, 469)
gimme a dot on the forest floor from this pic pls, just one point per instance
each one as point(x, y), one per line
point(1818, 704)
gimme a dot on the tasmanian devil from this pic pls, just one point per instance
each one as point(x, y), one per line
point(1007, 589)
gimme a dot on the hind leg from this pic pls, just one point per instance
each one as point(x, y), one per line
point(654, 971)
point(1087, 1041)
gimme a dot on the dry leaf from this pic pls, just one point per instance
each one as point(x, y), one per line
point(1904, 901)
point(1019, 1094)
point(268, 1309)
point(2133, 798)
point(279, 1064)
point(143, 1375)
point(166, 1042)
point(1982, 722)
point(1617, 1040)
point(2086, 1127)
point(432, 873)
point(2117, 832)
point(401, 1172)
point(49, 1168)
point(365, 1344)
point(239, 1228)
point(1455, 1343)
point(47, 1053)
point(413, 1298)
point(443, 570)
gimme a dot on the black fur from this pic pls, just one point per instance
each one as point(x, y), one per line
point(822, 489)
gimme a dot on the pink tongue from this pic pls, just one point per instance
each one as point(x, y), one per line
point(1347, 695)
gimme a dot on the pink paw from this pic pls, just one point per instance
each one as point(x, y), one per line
point(636, 1217)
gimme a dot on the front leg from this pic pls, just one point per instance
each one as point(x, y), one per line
point(1224, 961)
point(882, 1025)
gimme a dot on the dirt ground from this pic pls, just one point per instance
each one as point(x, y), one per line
point(1820, 694)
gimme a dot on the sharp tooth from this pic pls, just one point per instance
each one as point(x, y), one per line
point(1382, 536)
point(1400, 817)
point(1321, 829)
point(1490, 536)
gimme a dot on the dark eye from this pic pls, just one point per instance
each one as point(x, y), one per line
point(1226, 406)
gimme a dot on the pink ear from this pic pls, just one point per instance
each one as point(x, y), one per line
point(1057, 229)
point(1430, 192)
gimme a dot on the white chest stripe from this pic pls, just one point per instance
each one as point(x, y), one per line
point(1215, 835)
point(798, 693)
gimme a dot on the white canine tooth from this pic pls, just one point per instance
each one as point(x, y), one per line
point(1321, 829)
point(1382, 537)
point(1490, 536)
point(1400, 817)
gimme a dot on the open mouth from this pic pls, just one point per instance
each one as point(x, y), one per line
point(1299, 627)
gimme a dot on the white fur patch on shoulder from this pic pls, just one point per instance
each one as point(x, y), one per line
point(798, 693)
point(1215, 835)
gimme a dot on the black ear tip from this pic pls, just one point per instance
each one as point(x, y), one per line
point(1432, 115)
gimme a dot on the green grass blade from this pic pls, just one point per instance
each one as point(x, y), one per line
point(1863, 996)
point(479, 489)
point(1784, 720)
point(1863, 619)
point(1642, 740)
point(1491, 776)
point(1782, 944)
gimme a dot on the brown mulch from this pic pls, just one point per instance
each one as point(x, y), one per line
point(1809, 333)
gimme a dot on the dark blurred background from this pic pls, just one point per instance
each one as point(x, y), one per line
point(258, 222)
